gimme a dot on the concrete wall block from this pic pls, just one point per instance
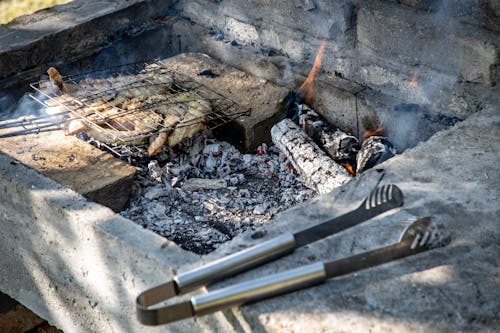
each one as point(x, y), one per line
point(329, 19)
point(319, 21)
point(202, 12)
point(291, 30)
point(76, 263)
point(405, 124)
point(337, 106)
point(291, 44)
point(436, 91)
point(440, 93)
point(402, 35)
point(241, 31)
point(420, 4)
point(480, 13)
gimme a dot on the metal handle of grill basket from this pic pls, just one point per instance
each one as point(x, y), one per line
point(237, 262)
point(260, 288)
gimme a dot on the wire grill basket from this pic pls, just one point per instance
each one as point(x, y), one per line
point(125, 105)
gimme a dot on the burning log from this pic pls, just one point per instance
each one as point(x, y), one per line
point(340, 146)
point(374, 150)
point(318, 171)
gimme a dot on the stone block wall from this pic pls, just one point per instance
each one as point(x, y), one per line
point(375, 49)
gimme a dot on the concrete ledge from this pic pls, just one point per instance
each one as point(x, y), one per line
point(74, 163)
point(249, 92)
point(446, 290)
point(72, 261)
point(68, 32)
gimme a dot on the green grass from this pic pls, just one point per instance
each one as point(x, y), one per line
point(10, 9)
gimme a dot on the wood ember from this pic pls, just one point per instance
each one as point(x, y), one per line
point(318, 171)
point(374, 150)
point(340, 146)
point(181, 194)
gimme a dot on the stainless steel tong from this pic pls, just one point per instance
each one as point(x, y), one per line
point(418, 237)
point(380, 200)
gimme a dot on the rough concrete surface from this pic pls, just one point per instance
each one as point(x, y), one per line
point(377, 44)
point(74, 163)
point(262, 97)
point(80, 266)
point(74, 262)
point(412, 37)
point(454, 178)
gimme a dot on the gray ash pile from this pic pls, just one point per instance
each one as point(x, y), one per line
point(204, 195)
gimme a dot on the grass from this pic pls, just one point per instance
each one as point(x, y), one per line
point(10, 9)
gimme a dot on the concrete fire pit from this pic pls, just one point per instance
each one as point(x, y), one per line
point(80, 266)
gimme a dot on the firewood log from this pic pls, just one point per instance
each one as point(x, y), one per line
point(318, 171)
point(374, 150)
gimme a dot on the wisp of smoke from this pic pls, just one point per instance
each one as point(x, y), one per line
point(25, 106)
point(402, 125)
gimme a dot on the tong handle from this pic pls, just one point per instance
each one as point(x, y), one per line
point(235, 263)
point(260, 288)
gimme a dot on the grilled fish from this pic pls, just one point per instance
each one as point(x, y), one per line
point(128, 109)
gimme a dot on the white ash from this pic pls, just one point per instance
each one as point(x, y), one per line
point(318, 170)
point(205, 196)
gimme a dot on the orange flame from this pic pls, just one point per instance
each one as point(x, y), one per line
point(350, 169)
point(413, 82)
point(307, 86)
point(377, 131)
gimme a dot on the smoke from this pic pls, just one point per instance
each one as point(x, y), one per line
point(7, 105)
point(408, 124)
point(25, 106)
point(401, 125)
point(436, 98)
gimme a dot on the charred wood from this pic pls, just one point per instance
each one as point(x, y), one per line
point(318, 171)
point(374, 150)
point(340, 146)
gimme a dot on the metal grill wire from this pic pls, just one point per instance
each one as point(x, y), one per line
point(97, 96)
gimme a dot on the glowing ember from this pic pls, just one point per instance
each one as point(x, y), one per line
point(377, 131)
point(350, 169)
point(307, 86)
point(413, 82)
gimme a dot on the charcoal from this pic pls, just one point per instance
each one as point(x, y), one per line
point(374, 150)
point(291, 104)
point(208, 73)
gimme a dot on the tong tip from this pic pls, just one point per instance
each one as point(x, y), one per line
point(423, 233)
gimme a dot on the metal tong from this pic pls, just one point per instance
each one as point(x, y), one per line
point(380, 200)
point(418, 237)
